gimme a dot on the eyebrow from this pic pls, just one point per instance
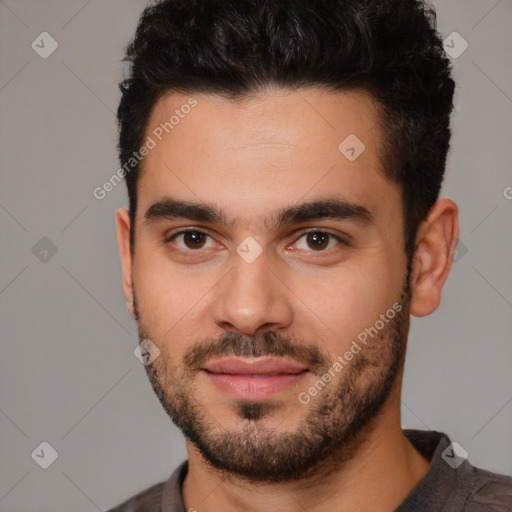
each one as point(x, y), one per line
point(334, 208)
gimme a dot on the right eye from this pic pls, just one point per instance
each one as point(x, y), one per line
point(192, 240)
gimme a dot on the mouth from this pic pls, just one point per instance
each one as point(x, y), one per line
point(254, 378)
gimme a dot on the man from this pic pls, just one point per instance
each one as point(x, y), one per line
point(283, 162)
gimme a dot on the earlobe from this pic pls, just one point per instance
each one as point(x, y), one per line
point(123, 242)
point(426, 294)
point(435, 247)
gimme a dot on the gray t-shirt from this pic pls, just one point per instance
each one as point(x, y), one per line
point(449, 485)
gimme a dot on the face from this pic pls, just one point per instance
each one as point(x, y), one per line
point(269, 271)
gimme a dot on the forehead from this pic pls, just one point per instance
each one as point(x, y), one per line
point(277, 147)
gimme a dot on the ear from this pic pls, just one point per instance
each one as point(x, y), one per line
point(436, 242)
point(123, 242)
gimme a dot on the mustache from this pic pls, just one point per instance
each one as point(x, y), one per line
point(266, 344)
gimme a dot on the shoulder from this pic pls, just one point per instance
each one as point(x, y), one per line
point(145, 501)
point(489, 492)
point(151, 499)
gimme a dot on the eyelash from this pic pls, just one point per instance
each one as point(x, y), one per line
point(170, 238)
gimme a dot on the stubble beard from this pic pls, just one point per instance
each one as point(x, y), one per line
point(337, 421)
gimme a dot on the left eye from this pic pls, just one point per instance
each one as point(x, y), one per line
point(319, 240)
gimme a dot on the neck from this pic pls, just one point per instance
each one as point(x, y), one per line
point(381, 471)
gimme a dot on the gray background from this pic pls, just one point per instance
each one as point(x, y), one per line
point(68, 375)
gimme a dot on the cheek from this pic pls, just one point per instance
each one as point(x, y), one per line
point(337, 304)
point(171, 299)
point(163, 294)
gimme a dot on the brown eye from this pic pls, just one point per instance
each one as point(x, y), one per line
point(191, 240)
point(194, 239)
point(318, 241)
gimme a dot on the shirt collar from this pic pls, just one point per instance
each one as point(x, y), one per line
point(440, 477)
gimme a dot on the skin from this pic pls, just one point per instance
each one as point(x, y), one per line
point(250, 159)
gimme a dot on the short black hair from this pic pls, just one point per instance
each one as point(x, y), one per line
point(236, 48)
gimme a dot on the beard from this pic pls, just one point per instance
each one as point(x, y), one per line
point(337, 420)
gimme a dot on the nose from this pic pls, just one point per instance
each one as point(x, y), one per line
point(252, 299)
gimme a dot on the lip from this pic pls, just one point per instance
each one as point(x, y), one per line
point(254, 378)
point(253, 366)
